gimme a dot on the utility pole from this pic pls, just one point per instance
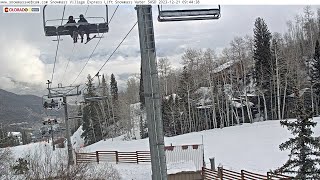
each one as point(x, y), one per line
point(151, 92)
point(65, 92)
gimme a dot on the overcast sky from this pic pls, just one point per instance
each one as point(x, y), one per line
point(27, 56)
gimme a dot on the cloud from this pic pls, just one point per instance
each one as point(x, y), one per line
point(20, 63)
point(27, 56)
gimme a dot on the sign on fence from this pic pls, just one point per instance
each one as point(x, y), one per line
point(185, 153)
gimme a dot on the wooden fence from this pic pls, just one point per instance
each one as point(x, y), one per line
point(114, 156)
point(174, 154)
point(224, 174)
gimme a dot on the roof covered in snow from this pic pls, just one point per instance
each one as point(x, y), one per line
point(14, 133)
point(224, 66)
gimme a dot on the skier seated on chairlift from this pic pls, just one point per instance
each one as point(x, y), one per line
point(83, 29)
point(73, 31)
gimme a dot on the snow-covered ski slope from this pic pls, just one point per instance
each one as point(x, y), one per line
point(253, 147)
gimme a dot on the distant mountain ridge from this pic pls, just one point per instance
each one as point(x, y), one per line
point(25, 109)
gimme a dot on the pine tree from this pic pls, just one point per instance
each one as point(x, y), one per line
point(143, 126)
point(3, 138)
point(142, 123)
point(166, 118)
point(91, 126)
point(263, 63)
point(114, 103)
point(104, 86)
point(79, 120)
point(114, 89)
point(262, 54)
point(315, 69)
point(141, 90)
point(170, 116)
point(106, 105)
point(304, 160)
point(88, 132)
point(185, 89)
point(21, 167)
point(24, 137)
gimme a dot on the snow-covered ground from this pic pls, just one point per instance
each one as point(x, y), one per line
point(253, 147)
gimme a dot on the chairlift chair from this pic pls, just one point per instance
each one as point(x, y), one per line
point(58, 30)
point(188, 14)
point(51, 104)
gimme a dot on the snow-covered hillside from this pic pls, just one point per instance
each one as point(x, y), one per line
point(253, 147)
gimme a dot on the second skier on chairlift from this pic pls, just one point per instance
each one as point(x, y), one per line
point(83, 29)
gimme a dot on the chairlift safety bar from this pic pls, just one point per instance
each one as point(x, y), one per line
point(188, 14)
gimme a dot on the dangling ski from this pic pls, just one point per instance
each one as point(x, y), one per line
point(75, 37)
point(90, 39)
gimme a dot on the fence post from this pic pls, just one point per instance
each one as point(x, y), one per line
point(137, 155)
point(220, 173)
point(213, 166)
point(242, 175)
point(76, 158)
point(97, 156)
point(117, 157)
point(202, 173)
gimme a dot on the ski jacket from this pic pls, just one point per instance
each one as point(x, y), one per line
point(82, 20)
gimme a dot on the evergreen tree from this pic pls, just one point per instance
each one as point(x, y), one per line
point(315, 69)
point(185, 89)
point(166, 118)
point(91, 126)
point(21, 167)
point(141, 90)
point(262, 53)
point(170, 116)
point(106, 105)
point(3, 138)
point(79, 120)
point(263, 60)
point(114, 104)
point(114, 89)
point(24, 136)
point(304, 160)
point(143, 122)
point(185, 85)
point(143, 125)
point(104, 86)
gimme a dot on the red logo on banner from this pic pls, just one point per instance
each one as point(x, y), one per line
point(6, 9)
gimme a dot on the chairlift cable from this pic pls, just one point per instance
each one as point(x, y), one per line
point(74, 48)
point(113, 14)
point(114, 51)
point(93, 50)
point(74, 44)
point(86, 10)
point(117, 47)
point(55, 58)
